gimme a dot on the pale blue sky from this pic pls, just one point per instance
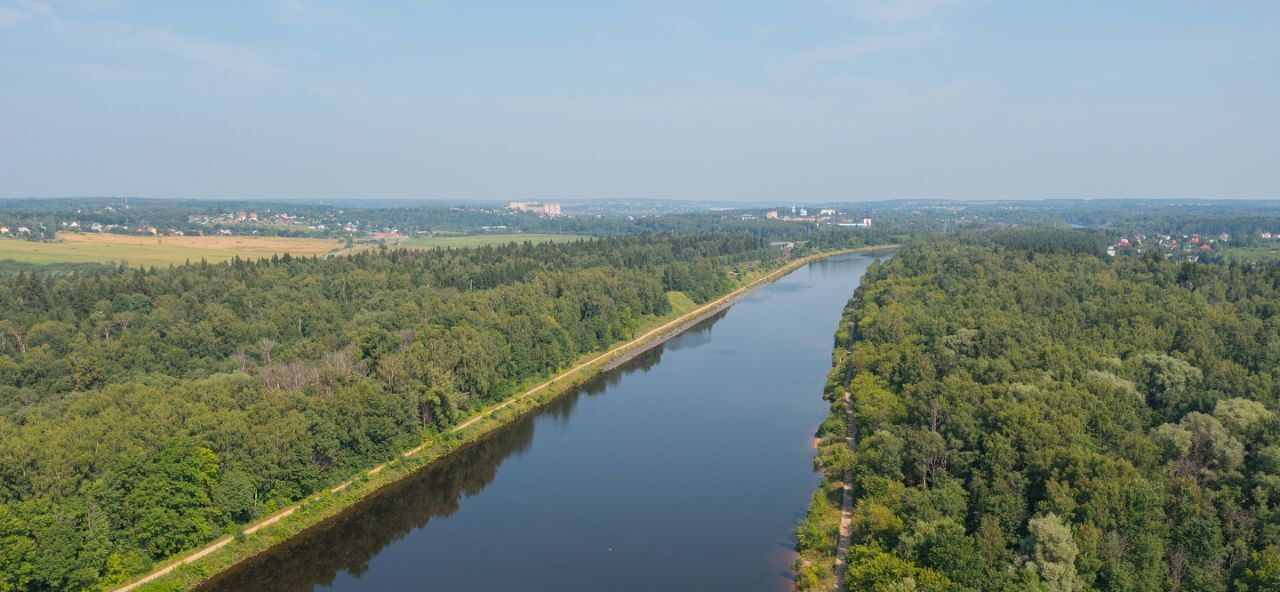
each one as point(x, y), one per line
point(743, 99)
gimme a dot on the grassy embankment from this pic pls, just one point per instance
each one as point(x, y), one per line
point(818, 532)
point(198, 565)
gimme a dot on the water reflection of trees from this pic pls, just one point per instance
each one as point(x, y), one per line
point(698, 334)
point(349, 541)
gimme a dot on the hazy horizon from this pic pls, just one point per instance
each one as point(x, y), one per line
point(821, 101)
point(753, 203)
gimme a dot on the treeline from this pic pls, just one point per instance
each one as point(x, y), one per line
point(10, 269)
point(1041, 240)
point(1058, 421)
point(44, 217)
point(145, 412)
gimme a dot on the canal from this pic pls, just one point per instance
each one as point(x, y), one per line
point(684, 469)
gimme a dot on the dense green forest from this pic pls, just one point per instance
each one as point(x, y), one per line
point(1052, 420)
point(145, 412)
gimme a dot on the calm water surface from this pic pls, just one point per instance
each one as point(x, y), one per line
point(684, 469)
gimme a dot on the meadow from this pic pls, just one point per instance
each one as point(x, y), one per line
point(1256, 253)
point(148, 251)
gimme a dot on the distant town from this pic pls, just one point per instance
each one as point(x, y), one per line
point(1192, 247)
point(825, 216)
point(279, 219)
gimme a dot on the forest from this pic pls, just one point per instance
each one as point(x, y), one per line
point(146, 412)
point(1047, 419)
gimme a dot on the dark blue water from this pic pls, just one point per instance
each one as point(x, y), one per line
point(684, 469)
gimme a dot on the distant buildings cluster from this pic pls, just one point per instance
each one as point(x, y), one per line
point(277, 220)
point(825, 216)
point(548, 209)
point(1189, 246)
point(252, 218)
point(76, 226)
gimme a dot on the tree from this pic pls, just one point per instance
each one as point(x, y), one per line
point(1241, 416)
point(942, 545)
point(236, 496)
point(164, 503)
point(1170, 383)
point(1213, 449)
point(1051, 554)
point(873, 570)
point(17, 552)
point(1263, 572)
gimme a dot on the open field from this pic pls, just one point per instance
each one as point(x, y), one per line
point(479, 240)
point(158, 251)
point(1264, 253)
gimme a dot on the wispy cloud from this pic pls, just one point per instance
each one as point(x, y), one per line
point(306, 13)
point(689, 29)
point(869, 45)
point(895, 12)
point(704, 107)
point(227, 57)
point(360, 94)
point(88, 71)
point(19, 11)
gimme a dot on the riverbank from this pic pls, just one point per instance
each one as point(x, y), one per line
point(823, 535)
point(318, 509)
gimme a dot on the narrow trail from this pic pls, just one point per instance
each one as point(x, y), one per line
point(649, 339)
point(846, 506)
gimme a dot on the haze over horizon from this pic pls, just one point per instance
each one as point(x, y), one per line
point(831, 100)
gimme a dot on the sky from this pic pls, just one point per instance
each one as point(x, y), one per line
point(743, 100)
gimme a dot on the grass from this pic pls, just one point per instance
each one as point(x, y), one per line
point(680, 303)
point(1266, 253)
point(140, 251)
point(480, 240)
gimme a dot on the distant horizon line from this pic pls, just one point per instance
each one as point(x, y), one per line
point(459, 200)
